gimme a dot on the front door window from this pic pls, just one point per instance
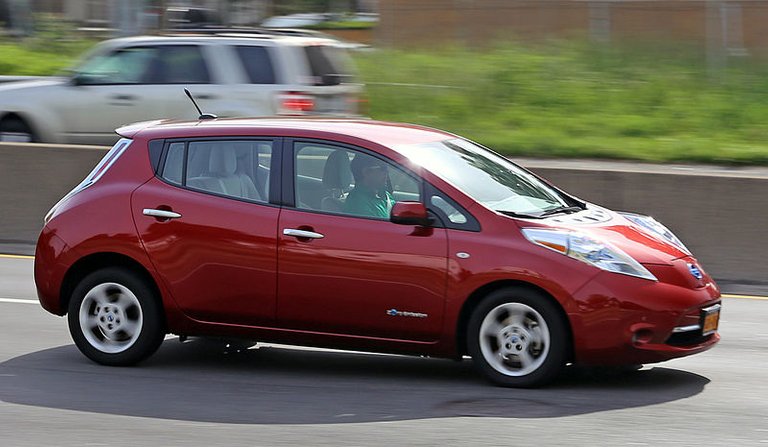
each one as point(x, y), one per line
point(340, 180)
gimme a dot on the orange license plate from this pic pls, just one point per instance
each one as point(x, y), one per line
point(711, 320)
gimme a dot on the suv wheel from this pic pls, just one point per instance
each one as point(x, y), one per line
point(115, 318)
point(517, 338)
point(15, 130)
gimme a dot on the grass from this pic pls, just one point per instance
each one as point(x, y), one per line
point(575, 100)
point(343, 24)
point(559, 99)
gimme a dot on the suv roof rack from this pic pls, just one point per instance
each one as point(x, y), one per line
point(255, 32)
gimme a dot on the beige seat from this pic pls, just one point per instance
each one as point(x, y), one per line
point(222, 177)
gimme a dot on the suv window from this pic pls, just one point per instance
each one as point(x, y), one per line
point(328, 65)
point(233, 168)
point(124, 66)
point(179, 64)
point(166, 64)
point(257, 63)
point(345, 181)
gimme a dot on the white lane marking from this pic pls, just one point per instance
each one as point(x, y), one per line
point(745, 297)
point(18, 301)
point(16, 256)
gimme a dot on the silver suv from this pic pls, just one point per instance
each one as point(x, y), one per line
point(142, 78)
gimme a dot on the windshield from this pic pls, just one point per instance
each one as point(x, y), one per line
point(485, 176)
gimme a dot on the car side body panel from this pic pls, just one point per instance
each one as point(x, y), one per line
point(337, 291)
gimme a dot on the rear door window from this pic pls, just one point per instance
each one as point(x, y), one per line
point(179, 64)
point(233, 168)
point(257, 63)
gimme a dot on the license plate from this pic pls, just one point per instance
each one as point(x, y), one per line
point(711, 319)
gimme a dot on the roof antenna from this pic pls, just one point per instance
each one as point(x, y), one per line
point(203, 116)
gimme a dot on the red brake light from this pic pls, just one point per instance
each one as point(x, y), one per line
point(294, 102)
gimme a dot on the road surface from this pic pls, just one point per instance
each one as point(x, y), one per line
point(188, 394)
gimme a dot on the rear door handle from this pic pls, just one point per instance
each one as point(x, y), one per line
point(302, 233)
point(123, 97)
point(205, 96)
point(161, 214)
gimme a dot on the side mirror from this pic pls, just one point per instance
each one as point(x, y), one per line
point(77, 79)
point(410, 213)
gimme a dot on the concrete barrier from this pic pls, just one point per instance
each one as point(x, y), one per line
point(720, 213)
point(33, 177)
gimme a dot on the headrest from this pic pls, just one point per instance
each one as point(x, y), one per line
point(336, 173)
point(223, 161)
point(361, 162)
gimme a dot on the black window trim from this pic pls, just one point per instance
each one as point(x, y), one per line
point(275, 167)
point(472, 224)
point(156, 149)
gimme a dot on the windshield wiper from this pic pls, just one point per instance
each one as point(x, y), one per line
point(562, 209)
point(514, 214)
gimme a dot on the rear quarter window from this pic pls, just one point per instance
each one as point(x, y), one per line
point(257, 63)
point(328, 65)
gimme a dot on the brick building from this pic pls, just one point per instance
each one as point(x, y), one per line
point(739, 27)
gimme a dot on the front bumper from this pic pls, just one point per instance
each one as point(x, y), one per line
point(620, 320)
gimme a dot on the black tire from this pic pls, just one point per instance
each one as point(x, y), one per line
point(534, 333)
point(115, 317)
point(17, 128)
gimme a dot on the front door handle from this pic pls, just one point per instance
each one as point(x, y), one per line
point(302, 234)
point(161, 214)
point(123, 97)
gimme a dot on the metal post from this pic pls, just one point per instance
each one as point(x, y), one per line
point(716, 60)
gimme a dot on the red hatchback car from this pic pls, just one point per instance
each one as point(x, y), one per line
point(361, 235)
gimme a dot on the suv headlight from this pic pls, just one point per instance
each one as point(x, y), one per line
point(586, 249)
point(655, 227)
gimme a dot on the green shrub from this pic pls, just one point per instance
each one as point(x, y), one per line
point(572, 99)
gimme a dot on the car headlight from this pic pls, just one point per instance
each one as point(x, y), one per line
point(586, 249)
point(656, 228)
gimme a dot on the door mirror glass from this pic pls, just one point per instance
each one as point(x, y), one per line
point(410, 213)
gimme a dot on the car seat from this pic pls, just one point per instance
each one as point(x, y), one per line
point(223, 167)
point(337, 178)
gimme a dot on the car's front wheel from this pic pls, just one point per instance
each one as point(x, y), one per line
point(517, 338)
point(115, 318)
point(15, 130)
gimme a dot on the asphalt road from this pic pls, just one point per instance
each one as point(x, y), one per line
point(188, 394)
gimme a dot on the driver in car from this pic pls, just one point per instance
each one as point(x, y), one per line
point(369, 197)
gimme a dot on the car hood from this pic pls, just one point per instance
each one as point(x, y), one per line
point(25, 86)
point(608, 226)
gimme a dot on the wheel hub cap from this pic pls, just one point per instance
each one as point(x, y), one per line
point(514, 339)
point(111, 317)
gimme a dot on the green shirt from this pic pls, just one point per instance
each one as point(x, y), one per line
point(363, 201)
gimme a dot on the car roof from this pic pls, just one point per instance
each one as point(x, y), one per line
point(384, 133)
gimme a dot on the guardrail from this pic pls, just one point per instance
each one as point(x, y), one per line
point(719, 213)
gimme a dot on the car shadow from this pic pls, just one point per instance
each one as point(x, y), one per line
point(280, 385)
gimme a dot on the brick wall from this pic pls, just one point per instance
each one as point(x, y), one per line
point(734, 25)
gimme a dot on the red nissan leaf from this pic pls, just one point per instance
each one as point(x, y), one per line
point(361, 235)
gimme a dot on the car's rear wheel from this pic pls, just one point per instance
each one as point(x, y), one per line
point(15, 130)
point(517, 338)
point(115, 318)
